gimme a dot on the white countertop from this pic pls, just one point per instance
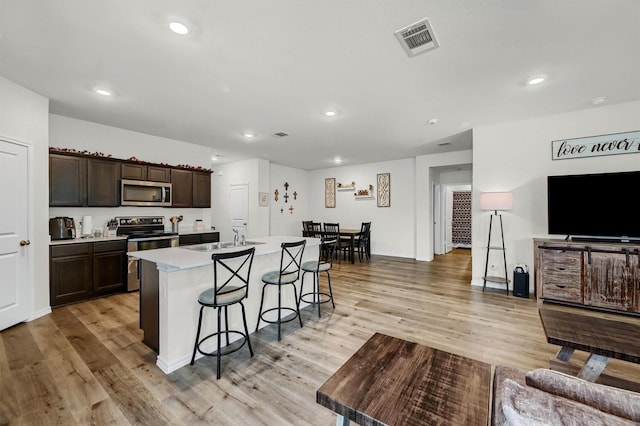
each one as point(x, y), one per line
point(187, 257)
point(87, 240)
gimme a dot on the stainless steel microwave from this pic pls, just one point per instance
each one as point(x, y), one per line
point(145, 193)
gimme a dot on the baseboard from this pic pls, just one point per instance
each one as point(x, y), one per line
point(40, 313)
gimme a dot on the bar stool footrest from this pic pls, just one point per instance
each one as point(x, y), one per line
point(282, 318)
point(319, 298)
point(225, 350)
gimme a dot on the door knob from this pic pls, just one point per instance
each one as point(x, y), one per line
point(25, 243)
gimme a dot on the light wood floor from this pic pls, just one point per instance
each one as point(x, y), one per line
point(85, 363)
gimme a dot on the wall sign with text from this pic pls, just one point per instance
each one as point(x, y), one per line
point(594, 146)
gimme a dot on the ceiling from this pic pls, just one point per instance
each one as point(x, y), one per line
point(277, 66)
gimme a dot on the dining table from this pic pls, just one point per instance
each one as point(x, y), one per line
point(346, 235)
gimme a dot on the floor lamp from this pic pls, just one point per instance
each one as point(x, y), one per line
point(496, 201)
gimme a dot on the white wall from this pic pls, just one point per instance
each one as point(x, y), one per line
point(516, 157)
point(23, 118)
point(254, 173)
point(67, 132)
point(393, 229)
point(282, 220)
point(426, 176)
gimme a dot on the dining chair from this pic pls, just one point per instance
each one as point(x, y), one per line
point(288, 274)
point(363, 242)
point(332, 231)
point(231, 273)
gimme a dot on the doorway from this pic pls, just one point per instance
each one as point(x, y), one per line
point(452, 217)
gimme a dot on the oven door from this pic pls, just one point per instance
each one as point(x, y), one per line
point(137, 244)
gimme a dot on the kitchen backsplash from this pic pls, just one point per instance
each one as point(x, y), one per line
point(102, 215)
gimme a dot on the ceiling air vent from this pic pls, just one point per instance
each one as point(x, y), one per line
point(281, 134)
point(417, 38)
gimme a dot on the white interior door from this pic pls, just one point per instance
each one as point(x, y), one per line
point(14, 240)
point(239, 207)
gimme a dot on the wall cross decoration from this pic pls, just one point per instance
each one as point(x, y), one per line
point(286, 186)
point(286, 197)
point(295, 195)
point(291, 209)
point(276, 194)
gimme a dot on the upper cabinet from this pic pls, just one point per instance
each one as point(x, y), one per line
point(201, 189)
point(181, 187)
point(67, 181)
point(77, 180)
point(146, 172)
point(83, 182)
point(103, 183)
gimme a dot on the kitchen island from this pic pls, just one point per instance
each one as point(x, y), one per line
point(175, 277)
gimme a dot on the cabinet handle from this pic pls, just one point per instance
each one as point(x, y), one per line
point(589, 255)
point(24, 243)
point(561, 286)
point(561, 268)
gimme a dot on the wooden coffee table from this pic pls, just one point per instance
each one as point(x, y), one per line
point(602, 338)
point(390, 381)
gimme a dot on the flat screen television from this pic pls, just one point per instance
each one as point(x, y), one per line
point(598, 206)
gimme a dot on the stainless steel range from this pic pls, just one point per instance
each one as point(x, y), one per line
point(143, 233)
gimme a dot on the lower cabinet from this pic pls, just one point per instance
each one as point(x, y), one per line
point(598, 275)
point(200, 238)
point(82, 271)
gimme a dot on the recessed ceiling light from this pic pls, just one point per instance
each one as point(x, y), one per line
point(103, 92)
point(535, 80)
point(599, 100)
point(179, 28)
point(248, 135)
point(215, 157)
point(330, 113)
point(433, 121)
point(337, 160)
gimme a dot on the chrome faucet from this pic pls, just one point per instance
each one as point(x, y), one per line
point(235, 238)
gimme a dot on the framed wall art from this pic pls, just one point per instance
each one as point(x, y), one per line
point(384, 189)
point(330, 193)
point(263, 199)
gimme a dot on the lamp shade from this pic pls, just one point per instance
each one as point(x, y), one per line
point(496, 201)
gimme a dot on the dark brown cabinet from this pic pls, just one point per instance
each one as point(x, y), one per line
point(109, 267)
point(71, 273)
point(67, 181)
point(81, 271)
point(599, 275)
point(145, 172)
point(201, 189)
point(103, 183)
point(181, 187)
point(80, 182)
point(200, 238)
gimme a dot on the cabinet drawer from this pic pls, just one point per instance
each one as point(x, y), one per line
point(570, 292)
point(104, 246)
point(70, 250)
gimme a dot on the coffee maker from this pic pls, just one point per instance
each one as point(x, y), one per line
point(62, 228)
